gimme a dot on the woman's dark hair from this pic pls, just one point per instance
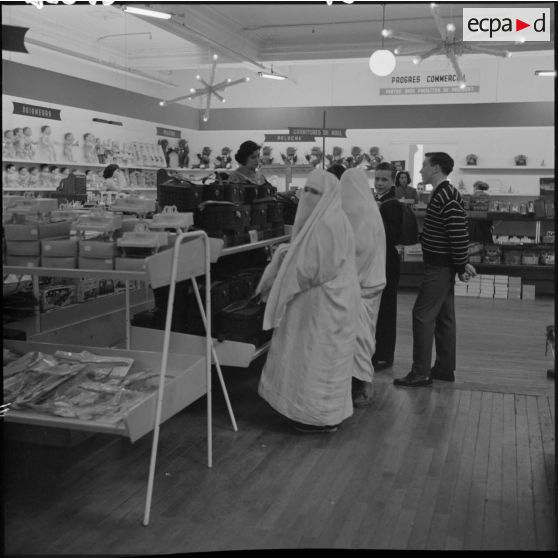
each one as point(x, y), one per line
point(388, 167)
point(245, 150)
point(337, 170)
point(109, 171)
point(43, 128)
point(443, 160)
point(398, 175)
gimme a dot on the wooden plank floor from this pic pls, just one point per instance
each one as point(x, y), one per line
point(457, 466)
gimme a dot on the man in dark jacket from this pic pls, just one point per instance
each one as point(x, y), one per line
point(391, 212)
point(445, 242)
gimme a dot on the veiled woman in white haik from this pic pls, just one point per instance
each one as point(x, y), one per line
point(364, 215)
point(312, 306)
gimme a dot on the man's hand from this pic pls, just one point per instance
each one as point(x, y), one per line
point(469, 272)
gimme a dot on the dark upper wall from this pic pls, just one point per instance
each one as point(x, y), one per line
point(76, 92)
point(67, 90)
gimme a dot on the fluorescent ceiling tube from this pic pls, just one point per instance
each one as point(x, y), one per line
point(545, 73)
point(271, 75)
point(148, 13)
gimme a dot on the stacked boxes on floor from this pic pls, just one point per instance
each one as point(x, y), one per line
point(528, 292)
point(500, 286)
point(412, 253)
point(460, 287)
point(474, 286)
point(486, 286)
point(514, 288)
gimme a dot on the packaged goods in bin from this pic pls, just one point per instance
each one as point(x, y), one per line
point(492, 254)
point(548, 237)
point(57, 296)
point(547, 258)
point(511, 257)
point(23, 247)
point(171, 218)
point(31, 206)
point(133, 204)
point(59, 248)
point(59, 262)
point(243, 321)
point(98, 220)
point(142, 242)
point(529, 258)
point(185, 195)
point(224, 216)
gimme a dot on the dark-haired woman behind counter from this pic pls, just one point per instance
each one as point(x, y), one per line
point(248, 158)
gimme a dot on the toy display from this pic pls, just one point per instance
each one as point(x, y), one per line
point(266, 158)
point(315, 157)
point(471, 159)
point(164, 143)
point(8, 150)
point(23, 179)
point(29, 143)
point(204, 158)
point(100, 151)
point(374, 157)
point(224, 161)
point(34, 178)
point(69, 143)
point(336, 157)
point(44, 177)
point(89, 148)
point(290, 158)
point(19, 143)
point(46, 144)
point(183, 152)
point(356, 158)
point(55, 177)
point(173, 159)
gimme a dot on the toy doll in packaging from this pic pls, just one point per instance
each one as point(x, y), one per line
point(29, 143)
point(55, 177)
point(99, 151)
point(204, 158)
point(374, 157)
point(315, 157)
point(46, 144)
point(356, 158)
point(8, 150)
point(69, 143)
point(336, 157)
point(183, 153)
point(12, 178)
point(19, 143)
point(34, 178)
point(23, 179)
point(266, 158)
point(44, 177)
point(89, 148)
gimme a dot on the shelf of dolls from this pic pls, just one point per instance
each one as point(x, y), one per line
point(78, 164)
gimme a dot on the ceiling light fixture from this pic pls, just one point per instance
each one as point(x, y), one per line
point(545, 73)
point(271, 75)
point(424, 47)
point(382, 62)
point(147, 13)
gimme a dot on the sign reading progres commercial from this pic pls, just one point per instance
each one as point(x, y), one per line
point(168, 132)
point(429, 82)
point(34, 110)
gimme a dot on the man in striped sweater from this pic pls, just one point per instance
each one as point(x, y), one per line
point(445, 240)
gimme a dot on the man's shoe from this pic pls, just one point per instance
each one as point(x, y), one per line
point(364, 397)
point(412, 379)
point(447, 377)
point(312, 429)
point(382, 365)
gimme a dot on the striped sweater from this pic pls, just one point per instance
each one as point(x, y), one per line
point(445, 234)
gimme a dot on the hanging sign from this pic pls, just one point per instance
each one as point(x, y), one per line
point(39, 3)
point(13, 38)
point(429, 82)
point(39, 112)
point(320, 132)
point(168, 133)
point(288, 137)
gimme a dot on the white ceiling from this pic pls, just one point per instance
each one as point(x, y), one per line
point(252, 35)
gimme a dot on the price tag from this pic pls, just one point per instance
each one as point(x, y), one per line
point(253, 236)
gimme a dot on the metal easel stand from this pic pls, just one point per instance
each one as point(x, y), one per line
point(209, 351)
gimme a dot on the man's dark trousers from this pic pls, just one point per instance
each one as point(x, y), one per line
point(434, 320)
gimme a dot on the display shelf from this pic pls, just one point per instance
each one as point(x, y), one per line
point(542, 170)
point(64, 272)
point(74, 164)
point(185, 384)
point(255, 245)
point(28, 189)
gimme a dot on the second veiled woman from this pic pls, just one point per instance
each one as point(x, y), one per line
point(362, 210)
point(312, 306)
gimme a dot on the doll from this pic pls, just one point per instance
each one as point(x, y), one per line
point(12, 178)
point(374, 157)
point(29, 143)
point(8, 150)
point(99, 151)
point(134, 178)
point(266, 158)
point(44, 178)
point(23, 177)
point(315, 156)
point(291, 157)
point(69, 143)
point(356, 158)
point(336, 158)
point(183, 152)
point(116, 153)
point(55, 177)
point(46, 144)
point(19, 143)
point(204, 158)
point(89, 148)
point(34, 178)
point(164, 143)
point(224, 161)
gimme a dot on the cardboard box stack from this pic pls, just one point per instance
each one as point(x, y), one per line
point(412, 253)
point(528, 292)
point(501, 286)
point(474, 286)
point(514, 288)
point(460, 287)
point(486, 286)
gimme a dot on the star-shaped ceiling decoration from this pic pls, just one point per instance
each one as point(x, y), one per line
point(208, 89)
point(424, 47)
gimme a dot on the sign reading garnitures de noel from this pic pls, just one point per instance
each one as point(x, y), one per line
point(429, 82)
